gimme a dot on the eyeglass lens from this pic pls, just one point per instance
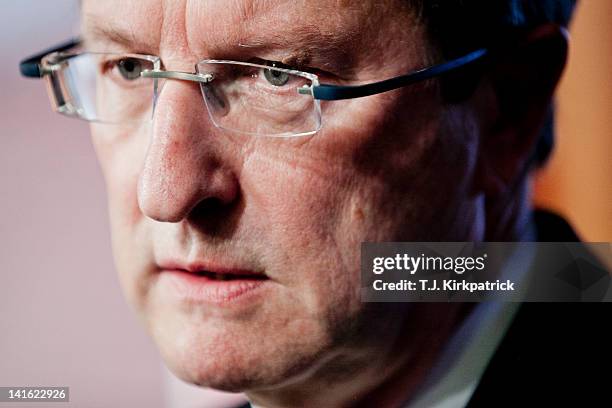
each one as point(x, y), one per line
point(242, 97)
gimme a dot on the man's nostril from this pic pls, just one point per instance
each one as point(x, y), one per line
point(215, 217)
point(207, 208)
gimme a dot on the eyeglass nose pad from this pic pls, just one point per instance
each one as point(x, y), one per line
point(215, 100)
point(158, 86)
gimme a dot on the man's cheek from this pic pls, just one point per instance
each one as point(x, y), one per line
point(126, 201)
point(123, 165)
point(128, 233)
point(320, 270)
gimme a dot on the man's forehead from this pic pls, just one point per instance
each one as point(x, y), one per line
point(208, 25)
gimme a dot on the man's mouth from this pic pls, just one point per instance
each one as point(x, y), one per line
point(212, 284)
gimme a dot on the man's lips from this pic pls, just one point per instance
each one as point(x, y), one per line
point(225, 276)
point(212, 271)
point(212, 284)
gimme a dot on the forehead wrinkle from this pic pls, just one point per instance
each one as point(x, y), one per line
point(174, 39)
point(249, 23)
point(249, 10)
point(100, 31)
point(332, 29)
point(257, 25)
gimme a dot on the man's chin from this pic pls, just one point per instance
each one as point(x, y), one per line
point(205, 365)
point(233, 381)
point(228, 373)
point(235, 363)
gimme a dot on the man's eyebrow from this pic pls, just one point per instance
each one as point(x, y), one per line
point(95, 33)
point(304, 46)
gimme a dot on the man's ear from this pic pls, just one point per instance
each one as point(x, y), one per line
point(522, 80)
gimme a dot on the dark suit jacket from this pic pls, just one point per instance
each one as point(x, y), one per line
point(553, 354)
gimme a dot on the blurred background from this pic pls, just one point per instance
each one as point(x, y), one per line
point(577, 182)
point(63, 320)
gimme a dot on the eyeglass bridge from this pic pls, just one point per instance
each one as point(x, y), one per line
point(184, 76)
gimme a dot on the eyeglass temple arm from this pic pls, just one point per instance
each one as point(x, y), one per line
point(30, 67)
point(335, 92)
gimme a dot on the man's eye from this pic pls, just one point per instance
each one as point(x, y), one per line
point(130, 68)
point(276, 78)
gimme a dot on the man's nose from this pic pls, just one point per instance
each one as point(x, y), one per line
point(184, 165)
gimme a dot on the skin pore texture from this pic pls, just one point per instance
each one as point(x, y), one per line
point(400, 166)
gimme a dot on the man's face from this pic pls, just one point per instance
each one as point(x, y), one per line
point(187, 197)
